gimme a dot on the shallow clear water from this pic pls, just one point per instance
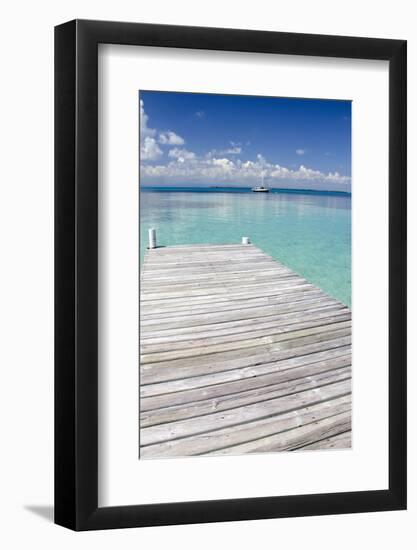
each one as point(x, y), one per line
point(310, 233)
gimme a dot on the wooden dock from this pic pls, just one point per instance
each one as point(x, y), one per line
point(238, 354)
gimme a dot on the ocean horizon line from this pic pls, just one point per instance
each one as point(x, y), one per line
point(235, 189)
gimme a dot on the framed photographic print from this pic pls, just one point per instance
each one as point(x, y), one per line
point(230, 275)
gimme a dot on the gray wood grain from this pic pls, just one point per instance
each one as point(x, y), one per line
point(227, 383)
point(226, 438)
point(339, 441)
point(241, 415)
point(296, 438)
point(239, 354)
point(227, 361)
point(293, 384)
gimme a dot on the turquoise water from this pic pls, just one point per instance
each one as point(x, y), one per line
point(310, 232)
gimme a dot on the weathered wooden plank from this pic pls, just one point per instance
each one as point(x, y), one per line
point(265, 297)
point(289, 333)
point(235, 315)
point(294, 295)
point(339, 441)
point(239, 354)
point(178, 332)
point(213, 385)
point(230, 382)
point(186, 278)
point(208, 282)
point(246, 268)
point(232, 360)
point(225, 267)
point(294, 384)
point(220, 294)
point(180, 256)
point(173, 249)
point(190, 377)
point(244, 325)
point(195, 256)
point(192, 291)
point(232, 281)
point(256, 411)
point(229, 437)
point(292, 439)
point(216, 303)
point(276, 288)
point(212, 262)
point(271, 331)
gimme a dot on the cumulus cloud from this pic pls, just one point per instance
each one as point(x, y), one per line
point(221, 166)
point(181, 154)
point(234, 150)
point(149, 149)
point(170, 138)
point(145, 131)
point(199, 114)
point(150, 137)
point(188, 166)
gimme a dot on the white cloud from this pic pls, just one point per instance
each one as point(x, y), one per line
point(223, 165)
point(170, 138)
point(188, 166)
point(181, 154)
point(216, 166)
point(234, 150)
point(199, 114)
point(149, 150)
point(144, 128)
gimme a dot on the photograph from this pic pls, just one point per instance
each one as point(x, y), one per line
point(208, 337)
point(245, 274)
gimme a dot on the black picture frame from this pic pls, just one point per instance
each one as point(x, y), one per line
point(76, 273)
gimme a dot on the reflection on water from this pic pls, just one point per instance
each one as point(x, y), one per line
point(309, 233)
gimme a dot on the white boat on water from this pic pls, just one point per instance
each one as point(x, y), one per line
point(261, 188)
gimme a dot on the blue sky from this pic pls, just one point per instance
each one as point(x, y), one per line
point(208, 139)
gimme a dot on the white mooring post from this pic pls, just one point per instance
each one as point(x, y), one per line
point(245, 240)
point(152, 238)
